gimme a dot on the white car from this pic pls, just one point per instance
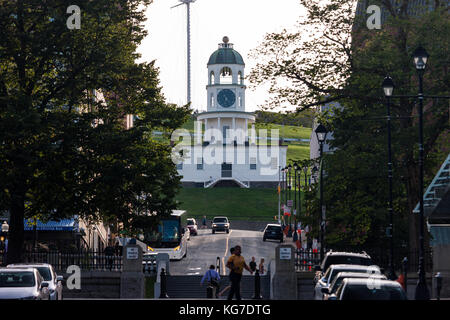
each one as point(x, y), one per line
point(332, 272)
point(330, 292)
point(22, 284)
point(49, 275)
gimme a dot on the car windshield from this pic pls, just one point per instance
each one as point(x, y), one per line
point(364, 261)
point(190, 222)
point(334, 273)
point(16, 279)
point(273, 228)
point(365, 292)
point(45, 273)
point(220, 220)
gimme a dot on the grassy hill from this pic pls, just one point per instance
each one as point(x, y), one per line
point(235, 203)
point(244, 204)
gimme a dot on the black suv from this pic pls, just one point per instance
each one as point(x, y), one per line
point(220, 224)
point(274, 232)
point(331, 257)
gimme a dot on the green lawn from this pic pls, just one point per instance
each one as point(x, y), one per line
point(235, 203)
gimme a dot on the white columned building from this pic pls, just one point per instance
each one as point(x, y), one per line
point(224, 152)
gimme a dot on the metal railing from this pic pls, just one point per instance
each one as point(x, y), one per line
point(306, 259)
point(86, 260)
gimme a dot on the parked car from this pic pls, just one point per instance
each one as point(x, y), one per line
point(220, 224)
point(49, 275)
point(187, 233)
point(23, 283)
point(331, 257)
point(329, 293)
point(191, 223)
point(334, 269)
point(370, 289)
point(274, 232)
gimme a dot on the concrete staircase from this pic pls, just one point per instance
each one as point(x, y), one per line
point(95, 284)
point(189, 287)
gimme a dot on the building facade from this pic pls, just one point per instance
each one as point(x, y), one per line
point(225, 150)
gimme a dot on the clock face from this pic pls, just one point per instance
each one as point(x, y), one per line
point(226, 98)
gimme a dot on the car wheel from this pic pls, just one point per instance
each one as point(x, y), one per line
point(214, 231)
point(228, 230)
point(264, 239)
point(281, 240)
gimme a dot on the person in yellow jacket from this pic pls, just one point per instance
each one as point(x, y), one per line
point(236, 263)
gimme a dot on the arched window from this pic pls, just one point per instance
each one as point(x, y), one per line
point(212, 100)
point(211, 78)
point(226, 76)
point(240, 78)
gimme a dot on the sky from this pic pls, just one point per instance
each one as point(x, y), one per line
point(245, 22)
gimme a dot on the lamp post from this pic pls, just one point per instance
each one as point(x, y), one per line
point(420, 61)
point(289, 198)
point(321, 133)
point(5, 230)
point(388, 88)
point(296, 167)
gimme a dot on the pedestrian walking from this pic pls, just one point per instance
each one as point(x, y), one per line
point(109, 254)
point(236, 263)
point(261, 267)
point(204, 222)
point(228, 287)
point(212, 277)
point(252, 264)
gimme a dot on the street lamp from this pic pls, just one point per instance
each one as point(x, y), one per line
point(289, 198)
point(321, 133)
point(388, 88)
point(296, 168)
point(420, 60)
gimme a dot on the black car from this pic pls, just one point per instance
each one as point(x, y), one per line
point(220, 224)
point(274, 232)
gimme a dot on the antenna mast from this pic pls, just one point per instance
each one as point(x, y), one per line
point(188, 30)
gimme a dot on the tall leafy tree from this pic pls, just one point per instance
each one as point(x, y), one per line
point(64, 94)
point(334, 57)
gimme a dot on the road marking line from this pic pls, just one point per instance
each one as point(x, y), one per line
point(226, 250)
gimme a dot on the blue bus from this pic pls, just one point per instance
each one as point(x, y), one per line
point(168, 237)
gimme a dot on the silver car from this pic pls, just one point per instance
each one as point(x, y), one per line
point(370, 289)
point(334, 269)
point(49, 275)
point(23, 283)
point(330, 292)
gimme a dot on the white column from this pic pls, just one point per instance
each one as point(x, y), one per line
point(206, 130)
point(246, 130)
point(199, 132)
point(219, 128)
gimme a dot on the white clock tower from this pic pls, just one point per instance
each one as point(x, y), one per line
point(226, 94)
point(225, 151)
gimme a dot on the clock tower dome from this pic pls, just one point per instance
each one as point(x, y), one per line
point(226, 89)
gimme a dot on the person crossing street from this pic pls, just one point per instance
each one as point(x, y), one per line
point(236, 263)
point(212, 277)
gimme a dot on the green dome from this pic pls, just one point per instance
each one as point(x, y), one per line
point(226, 56)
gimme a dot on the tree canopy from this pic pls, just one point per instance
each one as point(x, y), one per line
point(334, 57)
point(64, 95)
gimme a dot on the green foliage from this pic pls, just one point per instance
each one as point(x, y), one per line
point(334, 57)
point(64, 151)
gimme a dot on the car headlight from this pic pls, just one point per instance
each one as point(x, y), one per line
point(214, 225)
point(176, 248)
point(150, 248)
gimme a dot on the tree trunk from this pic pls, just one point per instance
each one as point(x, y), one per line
point(16, 233)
